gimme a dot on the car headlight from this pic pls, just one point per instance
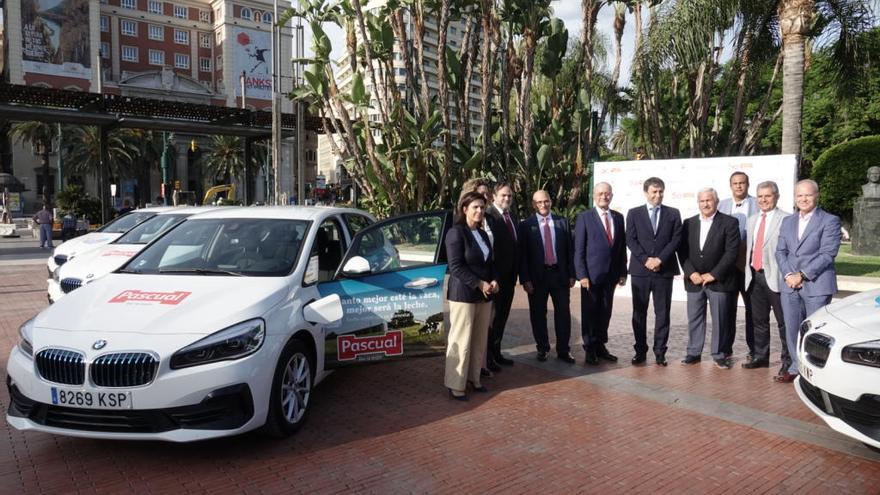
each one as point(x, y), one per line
point(867, 354)
point(234, 342)
point(26, 338)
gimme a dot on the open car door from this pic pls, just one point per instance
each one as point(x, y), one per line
point(391, 285)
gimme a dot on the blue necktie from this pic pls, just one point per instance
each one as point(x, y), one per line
point(654, 211)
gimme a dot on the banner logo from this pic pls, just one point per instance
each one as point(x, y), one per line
point(139, 296)
point(349, 347)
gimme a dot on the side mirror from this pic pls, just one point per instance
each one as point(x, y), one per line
point(357, 265)
point(324, 311)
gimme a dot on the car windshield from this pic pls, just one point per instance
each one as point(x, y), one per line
point(148, 230)
point(125, 222)
point(224, 246)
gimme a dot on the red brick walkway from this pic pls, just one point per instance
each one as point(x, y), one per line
point(389, 428)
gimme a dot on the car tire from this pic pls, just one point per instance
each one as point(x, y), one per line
point(291, 393)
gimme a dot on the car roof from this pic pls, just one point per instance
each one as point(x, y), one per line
point(281, 212)
point(191, 210)
point(155, 209)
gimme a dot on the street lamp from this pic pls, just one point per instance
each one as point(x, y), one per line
point(167, 143)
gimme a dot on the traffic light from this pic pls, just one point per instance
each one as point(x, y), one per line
point(177, 185)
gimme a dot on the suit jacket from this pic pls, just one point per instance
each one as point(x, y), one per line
point(771, 239)
point(594, 258)
point(813, 254)
point(644, 244)
point(718, 255)
point(726, 207)
point(531, 252)
point(467, 267)
point(505, 248)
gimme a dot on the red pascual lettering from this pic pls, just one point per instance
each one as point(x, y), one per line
point(349, 347)
point(141, 296)
point(116, 252)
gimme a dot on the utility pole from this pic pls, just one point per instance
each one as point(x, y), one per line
point(276, 104)
point(300, 118)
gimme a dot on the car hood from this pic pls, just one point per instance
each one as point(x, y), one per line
point(83, 243)
point(164, 304)
point(860, 311)
point(99, 262)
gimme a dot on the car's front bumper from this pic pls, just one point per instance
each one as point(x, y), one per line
point(856, 419)
point(54, 290)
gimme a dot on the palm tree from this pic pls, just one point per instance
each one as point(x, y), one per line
point(83, 150)
point(39, 135)
point(225, 159)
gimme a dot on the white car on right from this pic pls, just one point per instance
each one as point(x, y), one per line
point(839, 362)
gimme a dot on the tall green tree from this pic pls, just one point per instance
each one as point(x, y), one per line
point(39, 136)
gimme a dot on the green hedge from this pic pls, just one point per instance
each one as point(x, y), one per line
point(841, 171)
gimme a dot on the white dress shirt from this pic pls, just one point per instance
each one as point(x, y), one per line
point(607, 212)
point(541, 221)
point(705, 225)
point(483, 247)
point(767, 220)
point(803, 221)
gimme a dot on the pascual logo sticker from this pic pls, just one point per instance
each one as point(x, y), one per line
point(117, 252)
point(141, 296)
point(349, 347)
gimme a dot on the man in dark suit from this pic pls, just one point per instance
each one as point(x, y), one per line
point(653, 233)
point(708, 251)
point(502, 222)
point(600, 265)
point(546, 270)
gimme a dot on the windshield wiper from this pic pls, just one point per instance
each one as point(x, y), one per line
point(201, 271)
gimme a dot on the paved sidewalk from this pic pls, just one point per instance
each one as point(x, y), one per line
point(544, 427)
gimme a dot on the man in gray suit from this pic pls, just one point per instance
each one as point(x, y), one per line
point(762, 275)
point(808, 244)
point(740, 206)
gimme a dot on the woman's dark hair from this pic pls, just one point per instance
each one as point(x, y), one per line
point(465, 201)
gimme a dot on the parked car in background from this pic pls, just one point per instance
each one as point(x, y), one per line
point(94, 264)
point(839, 361)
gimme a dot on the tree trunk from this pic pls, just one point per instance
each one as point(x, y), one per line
point(487, 72)
point(794, 24)
point(525, 115)
point(443, 76)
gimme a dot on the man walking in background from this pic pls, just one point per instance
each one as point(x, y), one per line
point(44, 220)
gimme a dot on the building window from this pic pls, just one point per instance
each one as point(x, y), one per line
point(181, 12)
point(181, 61)
point(205, 15)
point(219, 38)
point(205, 64)
point(129, 53)
point(155, 7)
point(128, 28)
point(267, 18)
point(105, 49)
point(205, 40)
point(157, 57)
point(128, 4)
point(105, 24)
point(219, 61)
point(181, 37)
point(246, 13)
point(157, 32)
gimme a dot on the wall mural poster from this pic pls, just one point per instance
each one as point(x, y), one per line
point(55, 37)
point(252, 51)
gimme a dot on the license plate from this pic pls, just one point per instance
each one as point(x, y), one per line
point(806, 371)
point(91, 400)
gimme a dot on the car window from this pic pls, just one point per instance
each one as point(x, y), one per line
point(148, 230)
point(123, 223)
point(228, 246)
point(328, 249)
point(357, 222)
point(403, 244)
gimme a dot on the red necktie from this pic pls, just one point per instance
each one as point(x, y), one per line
point(549, 255)
point(509, 224)
point(608, 229)
point(758, 250)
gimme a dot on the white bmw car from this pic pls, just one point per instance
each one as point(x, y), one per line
point(839, 362)
point(109, 232)
point(87, 267)
point(226, 322)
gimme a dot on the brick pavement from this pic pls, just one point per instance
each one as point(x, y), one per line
point(389, 428)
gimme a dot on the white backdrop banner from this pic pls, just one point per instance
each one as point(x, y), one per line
point(685, 177)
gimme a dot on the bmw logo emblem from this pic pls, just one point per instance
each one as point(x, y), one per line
point(90, 275)
point(99, 344)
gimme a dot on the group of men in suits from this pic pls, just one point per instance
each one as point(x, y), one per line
point(743, 245)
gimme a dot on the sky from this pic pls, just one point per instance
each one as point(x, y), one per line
point(569, 11)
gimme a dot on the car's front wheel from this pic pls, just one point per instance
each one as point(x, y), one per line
point(291, 391)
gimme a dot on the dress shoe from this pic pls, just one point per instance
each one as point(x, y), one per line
point(756, 363)
point(493, 366)
point(661, 360)
point(542, 356)
point(691, 359)
point(750, 357)
point(723, 363)
point(639, 358)
point(462, 397)
point(785, 377)
point(603, 353)
point(566, 358)
point(782, 369)
point(486, 373)
point(478, 388)
point(591, 357)
point(503, 360)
